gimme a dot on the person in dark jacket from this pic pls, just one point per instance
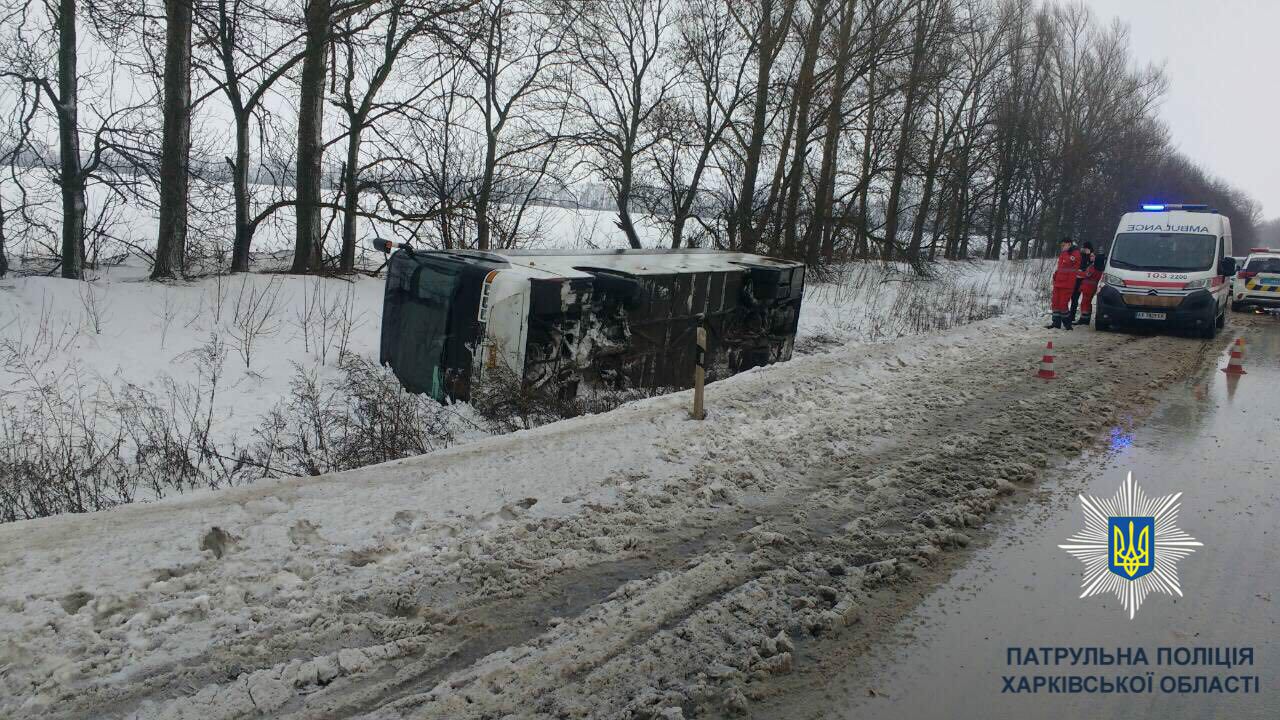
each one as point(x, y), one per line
point(1064, 284)
point(1086, 259)
point(1089, 283)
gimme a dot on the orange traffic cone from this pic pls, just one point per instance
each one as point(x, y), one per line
point(1046, 363)
point(1235, 366)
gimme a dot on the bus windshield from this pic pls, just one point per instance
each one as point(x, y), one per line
point(415, 320)
point(1167, 252)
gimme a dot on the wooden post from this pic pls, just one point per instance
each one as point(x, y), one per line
point(699, 374)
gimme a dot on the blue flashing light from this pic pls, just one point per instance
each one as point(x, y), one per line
point(1120, 440)
point(1153, 208)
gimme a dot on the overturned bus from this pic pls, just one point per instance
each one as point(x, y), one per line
point(561, 321)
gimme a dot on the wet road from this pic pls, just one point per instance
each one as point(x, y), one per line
point(1216, 439)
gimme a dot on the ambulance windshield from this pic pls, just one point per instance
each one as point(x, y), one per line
point(1166, 252)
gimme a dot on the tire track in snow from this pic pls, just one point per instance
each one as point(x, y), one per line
point(824, 486)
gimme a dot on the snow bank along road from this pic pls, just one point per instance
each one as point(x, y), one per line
point(632, 564)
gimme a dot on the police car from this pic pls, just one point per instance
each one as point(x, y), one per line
point(1258, 281)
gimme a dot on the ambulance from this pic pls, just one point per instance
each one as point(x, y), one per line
point(1168, 266)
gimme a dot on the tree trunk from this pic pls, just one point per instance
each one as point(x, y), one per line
point(766, 54)
point(777, 188)
point(895, 183)
point(677, 232)
point(686, 207)
point(70, 173)
point(934, 156)
point(962, 222)
point(240, 190)
point(4, 259)
point(175, 153)
point(308, 246)
point(755, 148)
point(351, 197)
point(912, 91)
point(803, 100)
point(485, 193)
point(624, 201)
point(862, 247)
point(820, 239)
point(999, 213)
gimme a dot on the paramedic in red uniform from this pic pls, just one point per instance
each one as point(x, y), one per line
point(1064, 284)
point(1089, 283)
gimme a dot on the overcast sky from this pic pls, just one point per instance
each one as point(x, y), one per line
point(1223, 62)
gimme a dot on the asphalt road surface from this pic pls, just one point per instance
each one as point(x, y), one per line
point(1214, 438)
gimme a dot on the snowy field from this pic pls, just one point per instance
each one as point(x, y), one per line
point(129, 225)
point(238, 363)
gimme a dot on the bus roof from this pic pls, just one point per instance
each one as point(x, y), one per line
point(570, 263)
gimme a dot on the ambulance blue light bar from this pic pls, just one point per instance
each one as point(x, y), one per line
point(1161, 207)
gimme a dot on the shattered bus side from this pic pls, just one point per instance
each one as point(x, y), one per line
point(563, 322)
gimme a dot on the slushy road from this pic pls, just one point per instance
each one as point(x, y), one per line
point(1214, 438)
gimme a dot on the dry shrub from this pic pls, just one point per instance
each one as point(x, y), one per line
point(64, 449)
point(364, 418)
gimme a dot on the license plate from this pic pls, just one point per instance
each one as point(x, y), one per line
point(1149, 316)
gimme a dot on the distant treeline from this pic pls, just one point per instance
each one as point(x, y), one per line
point(816, 129)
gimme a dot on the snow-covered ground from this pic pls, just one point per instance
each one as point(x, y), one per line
point(359, 592)
point(630, 564)
point(122, 329)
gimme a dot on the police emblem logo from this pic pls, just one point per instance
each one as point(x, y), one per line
point(1131, 545)
point(1131, 554)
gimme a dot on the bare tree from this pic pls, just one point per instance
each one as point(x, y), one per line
point(27, 62)
point(713, 63)
point(625, 82)
point(803, 94)
point(819, 236)
point(514, 64)
point(927, 24)
point(256, 315)
point(767, 23)
point(370, 45)
point(17, 225)
point(817, 129)
point(39, 52)
point(308, 246)
point(250, 49)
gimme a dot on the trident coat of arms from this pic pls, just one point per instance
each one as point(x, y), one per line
point(1130, 545)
